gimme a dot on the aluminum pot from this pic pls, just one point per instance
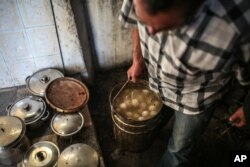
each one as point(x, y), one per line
point(66, 95)
point(67, 125)
point(32, 109)
point(78, 155)
point(41, 154)
point(38, 82)
point(13, 142)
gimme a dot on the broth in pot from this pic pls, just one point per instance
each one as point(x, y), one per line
point(137, 103)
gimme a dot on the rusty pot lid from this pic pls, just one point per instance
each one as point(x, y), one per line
point(38, 82)
point(11, 130)
point(30, 109)
point(67, 124)
point(41, 154)
point(78, 155)
point(67, 94)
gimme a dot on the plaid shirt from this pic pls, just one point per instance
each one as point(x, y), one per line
point(192, 67)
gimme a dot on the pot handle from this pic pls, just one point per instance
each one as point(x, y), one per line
point(44, 118)
point(26, 79)
point(8, 108)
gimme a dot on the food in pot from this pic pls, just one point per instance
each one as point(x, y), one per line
point(137, 103)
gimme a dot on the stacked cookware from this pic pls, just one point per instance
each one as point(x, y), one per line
point(53, 95)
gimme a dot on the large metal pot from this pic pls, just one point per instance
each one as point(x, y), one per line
point(130, 131)
point(66, 95)
point(41, 154)
point(31, 109)
point(13, 142)
point(38, 82)
point(78, 155)
point(67, 125)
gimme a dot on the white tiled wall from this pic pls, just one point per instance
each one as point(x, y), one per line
point(28, 40)
point(9, 17)
point(35, 12)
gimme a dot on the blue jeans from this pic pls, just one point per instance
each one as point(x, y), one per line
point(187, 129)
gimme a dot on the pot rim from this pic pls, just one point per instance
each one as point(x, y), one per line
point(35, 120)
point(45, 142)
point(19, 139)
point(76, 109)
point(70, 134)
point(27, 80)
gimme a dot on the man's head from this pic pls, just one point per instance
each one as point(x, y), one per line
point(159, 15)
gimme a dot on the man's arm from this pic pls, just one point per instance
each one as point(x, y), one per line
point(138, 65)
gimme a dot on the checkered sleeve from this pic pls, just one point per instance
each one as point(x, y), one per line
point(127, 15)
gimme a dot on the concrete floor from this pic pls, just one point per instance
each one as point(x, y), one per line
point(213, 149)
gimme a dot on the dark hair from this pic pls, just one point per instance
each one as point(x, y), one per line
point(155, 6)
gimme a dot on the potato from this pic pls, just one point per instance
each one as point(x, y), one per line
point(136, 115)
point(153, 113)
point(129, 114)
point(123, 106)
point(135, 102)
point(140, 118)
point(152, 108)
point(145, 113)
point(145, 91)
point(143, 105)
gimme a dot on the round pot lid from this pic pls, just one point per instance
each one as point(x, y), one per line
point(30, 109)
point(11, 130)
point(41, 154)
point(67, 124)
point(67, 95)
point(38, 82)
point(78, 155)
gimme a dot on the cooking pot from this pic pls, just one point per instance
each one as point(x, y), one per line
point(66, 95)
point(67, 125)
point(13, 142)
point(31, 109)
point(38, 82)
point(78, 155)
point(41, 154)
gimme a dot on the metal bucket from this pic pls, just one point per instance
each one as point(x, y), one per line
point(131, 135)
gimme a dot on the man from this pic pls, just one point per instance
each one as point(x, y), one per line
point(193, 51)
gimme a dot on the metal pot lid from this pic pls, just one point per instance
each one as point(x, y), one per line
point(11, 130)
point(67, 124)
point(30, 109)
point(38, 82)
point(42, 154)
point(67, 94)
point(78, 155)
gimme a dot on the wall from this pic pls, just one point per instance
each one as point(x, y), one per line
point(29, 36)
point(29, 40)
point(113, 44)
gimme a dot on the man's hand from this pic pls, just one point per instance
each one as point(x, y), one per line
point(138, 65)
point(135, 71)
point(238, 118)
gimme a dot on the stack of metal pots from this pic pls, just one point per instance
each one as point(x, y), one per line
point(53, 95)
point(67, 97)
point(13, 141)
